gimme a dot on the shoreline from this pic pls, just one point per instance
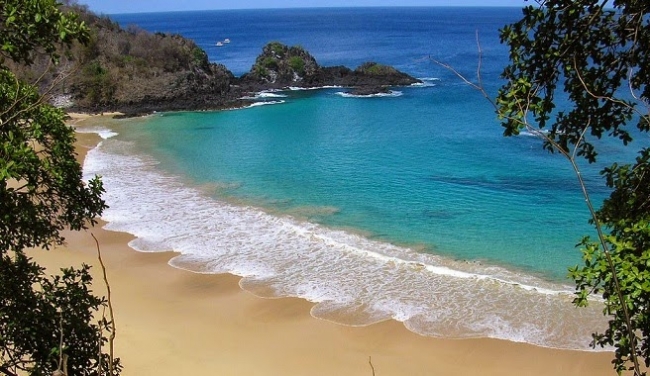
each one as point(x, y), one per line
point(169, 319)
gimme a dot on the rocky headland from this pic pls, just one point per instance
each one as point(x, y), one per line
point(136, 72)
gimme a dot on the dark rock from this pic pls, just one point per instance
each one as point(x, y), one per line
point(136, 72)
point(214, 87)
point(280, 66)
point(369, 90)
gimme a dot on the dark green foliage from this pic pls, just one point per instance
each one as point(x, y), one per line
point(297, 64)
point(41, 191)
point(41, 194)
point(375, 69)
point(277, 48)
point(97, 83)
point(282, 63)
point(200, 58)
point(34, 309)
point(298, 51)
point(629, 202)
point(30, 26)
point(269, 63)
point(586, 50)
point(260, 71)
point(598, 55)
point(627, 214)
point(135, 64)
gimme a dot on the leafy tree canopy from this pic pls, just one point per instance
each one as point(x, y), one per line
point(597, 54)
point(43, 320)
point(29, 26)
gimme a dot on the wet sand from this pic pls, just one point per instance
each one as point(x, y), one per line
point(172, 322)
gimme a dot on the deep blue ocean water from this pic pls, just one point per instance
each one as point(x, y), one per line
point(411, 206)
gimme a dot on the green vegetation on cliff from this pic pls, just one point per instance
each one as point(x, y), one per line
point(279, 66)
point(135, 71)
point(119, 68)
point(135, 65)
point(374, 69)
point(280, 63)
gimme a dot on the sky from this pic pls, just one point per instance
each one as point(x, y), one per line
point(137, 6)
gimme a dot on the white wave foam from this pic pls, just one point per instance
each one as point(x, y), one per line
point(423, 84)
point(270, 95)
point(353, 280)
point(297, 88)
point(426, 82)
point(536, 133)
point(104, 133)
point(392, 93)
point(258, 104)
point(266, 94)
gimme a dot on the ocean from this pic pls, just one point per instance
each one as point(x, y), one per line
point(409, 206)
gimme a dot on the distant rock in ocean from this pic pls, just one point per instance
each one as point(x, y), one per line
point(280, 66)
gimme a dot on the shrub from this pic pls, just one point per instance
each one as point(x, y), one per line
point(270, 63)
point(297, 64)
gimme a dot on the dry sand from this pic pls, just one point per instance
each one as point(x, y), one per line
point(173, 322)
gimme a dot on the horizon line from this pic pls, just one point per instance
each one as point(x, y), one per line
point(308, 7)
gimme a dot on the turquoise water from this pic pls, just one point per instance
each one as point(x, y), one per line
point(410, 206)
point(450, 184)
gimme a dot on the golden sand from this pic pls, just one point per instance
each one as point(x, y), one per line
point(173, 322)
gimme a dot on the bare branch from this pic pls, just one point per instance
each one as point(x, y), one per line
point(101, 334)
point(371, 366)
point(111, 338)
point(60, 78)
point(457, 73)
point(582, 135)
point(480, 60)
point(19, 100)
point(59, 368)
point(7, 372)
point(609, 99)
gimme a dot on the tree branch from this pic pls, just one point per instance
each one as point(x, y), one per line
point(7, 372)
point(111, 338)
point(371, 366)
point(571, 158)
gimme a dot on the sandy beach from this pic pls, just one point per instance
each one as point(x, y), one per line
point(173, 322)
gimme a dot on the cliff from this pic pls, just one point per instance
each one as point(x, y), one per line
point(133, 71)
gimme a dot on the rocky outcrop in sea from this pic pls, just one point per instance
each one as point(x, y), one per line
point(280, 66)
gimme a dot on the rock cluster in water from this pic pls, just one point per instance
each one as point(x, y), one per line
point(280, 66)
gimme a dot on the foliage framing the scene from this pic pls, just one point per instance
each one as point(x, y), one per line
point(46, 322)
point(598, 54)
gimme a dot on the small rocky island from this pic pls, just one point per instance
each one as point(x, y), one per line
point(280, 66)
point(136, 72)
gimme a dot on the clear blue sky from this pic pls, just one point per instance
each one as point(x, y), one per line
point(135, 6)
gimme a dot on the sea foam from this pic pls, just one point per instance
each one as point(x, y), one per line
point(262, 103)
point(426, 82)
point(265, 95)
point(351, 279)
point(103, 132)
